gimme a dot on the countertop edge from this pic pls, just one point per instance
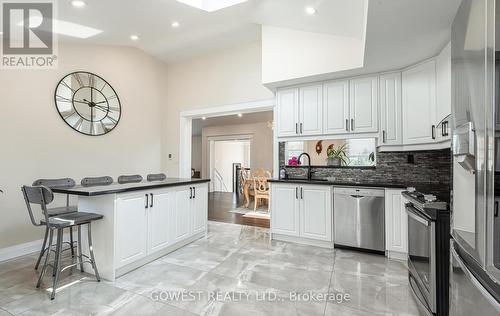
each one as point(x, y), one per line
point(346, 184)
point(153, 185)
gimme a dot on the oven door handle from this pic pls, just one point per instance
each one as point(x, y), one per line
point(413, 214)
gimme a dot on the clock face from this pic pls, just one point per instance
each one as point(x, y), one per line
point(87, 103)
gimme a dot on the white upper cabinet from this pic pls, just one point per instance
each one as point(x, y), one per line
point(363, 105)
point(419, 103)
point(336, 107)
point(390, 109)
point(310, 110)
point(288, 112)
point(443, 89)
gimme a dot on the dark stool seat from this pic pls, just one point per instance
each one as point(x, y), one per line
point(55, 211)
point(72, 219)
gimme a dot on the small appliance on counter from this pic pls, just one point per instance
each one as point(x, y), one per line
point(428, 251)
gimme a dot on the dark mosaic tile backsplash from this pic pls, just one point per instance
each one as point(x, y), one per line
point(432, 168)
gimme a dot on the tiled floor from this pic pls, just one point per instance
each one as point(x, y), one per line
point(232, 262)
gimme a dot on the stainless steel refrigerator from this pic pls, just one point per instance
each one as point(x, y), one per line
point(475, 245)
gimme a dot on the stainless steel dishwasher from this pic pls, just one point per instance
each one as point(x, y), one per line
point(359, 218)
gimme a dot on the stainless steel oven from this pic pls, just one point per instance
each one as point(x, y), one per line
point(428, 252)
point(422, 254)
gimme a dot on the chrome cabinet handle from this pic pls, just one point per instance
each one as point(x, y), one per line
point(296, 128)
point(301, 193)
point(352, 124)
point(301, 131)
point(151, 205)
point(433, 131)
point(347, 125)
point(296, 193)
point(383, 137)
point(190, 193)
point(194, 192)
point(147, 200)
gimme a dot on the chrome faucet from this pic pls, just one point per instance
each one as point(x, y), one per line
point(309, 174)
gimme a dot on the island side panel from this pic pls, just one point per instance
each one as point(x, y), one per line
point(103, 233)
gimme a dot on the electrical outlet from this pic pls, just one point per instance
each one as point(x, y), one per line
point(411, 158)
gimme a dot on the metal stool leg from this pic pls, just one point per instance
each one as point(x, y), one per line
point(51, 233)
point(71, 242)
point(42, 251)
point(80, 257)
point(57, 266)
point(91, 251)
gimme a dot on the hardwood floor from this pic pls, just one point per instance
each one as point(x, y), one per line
point(219, 205)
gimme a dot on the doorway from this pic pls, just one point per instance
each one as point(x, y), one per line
point(224, 155)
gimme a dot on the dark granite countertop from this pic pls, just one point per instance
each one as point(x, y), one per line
point(128, 187)
point(442, 192)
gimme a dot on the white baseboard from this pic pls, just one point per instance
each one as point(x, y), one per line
point(23, 249)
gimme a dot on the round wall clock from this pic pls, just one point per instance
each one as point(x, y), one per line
point(87, 103)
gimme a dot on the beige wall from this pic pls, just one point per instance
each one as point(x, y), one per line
point(36, 143)
point(261, 151)
point(224, 77)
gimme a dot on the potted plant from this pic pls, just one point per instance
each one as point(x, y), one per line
point(337, 156)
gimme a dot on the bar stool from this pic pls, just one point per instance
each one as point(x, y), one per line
point(156, 177)
point(129, 178)
point(96, 181)
point(56, 211)
point(42, 196)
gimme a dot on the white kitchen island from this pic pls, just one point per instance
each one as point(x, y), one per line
point(142, 221)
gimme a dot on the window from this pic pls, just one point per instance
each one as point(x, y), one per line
point(361, 152)
point(293, 149)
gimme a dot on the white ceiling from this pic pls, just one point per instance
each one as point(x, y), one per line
point(398, 31)
point(247, 118)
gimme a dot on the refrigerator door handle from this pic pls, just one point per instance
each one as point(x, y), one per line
point(474, 281)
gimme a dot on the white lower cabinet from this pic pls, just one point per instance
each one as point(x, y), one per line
point(303, 211)
point(396, 224)
point(149, 222)
point(181, 219)
point(159, 217)
point(285, 209)
point(199, 208)
point(316, 212)
point(131, 229)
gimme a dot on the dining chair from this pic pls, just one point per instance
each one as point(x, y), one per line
point(57, 183)
point(43, 196)
point(259, 172)
point(247, 185)
point(156, 177)
point(129, 178)
point(96, 181)
point(261, 188)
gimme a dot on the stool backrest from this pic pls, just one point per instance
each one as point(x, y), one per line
point(55, 183)
point(39, 195)
point(95, 181)
point(156, 177)
point(129, 178)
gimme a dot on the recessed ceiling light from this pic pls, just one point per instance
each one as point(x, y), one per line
point(175, 24)
point(203, 118)
point(134, 37)
point(78, 3)
point(310, 10)
point(240, 115)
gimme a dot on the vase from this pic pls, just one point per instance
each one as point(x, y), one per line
point(334, 162)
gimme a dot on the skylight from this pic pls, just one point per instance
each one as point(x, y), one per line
point(211, 5)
